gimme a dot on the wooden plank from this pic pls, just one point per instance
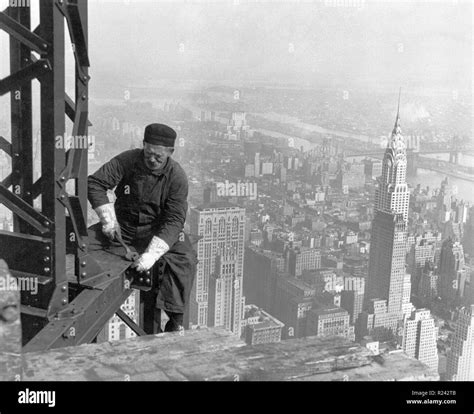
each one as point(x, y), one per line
point(217, 355)
point(10, 327)
point(134, 359)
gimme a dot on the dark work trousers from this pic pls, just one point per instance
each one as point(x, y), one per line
point(152, 315)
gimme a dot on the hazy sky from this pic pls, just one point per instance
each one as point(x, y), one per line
point(381, 43)
point(417, 43)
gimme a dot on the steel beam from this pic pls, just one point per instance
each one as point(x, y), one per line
point(18, 31)
point(52, 158)
point(25, 211)
point(18, 79)
point(84, 318)
point(130, 323)
point(21, 115)
point(5, 146)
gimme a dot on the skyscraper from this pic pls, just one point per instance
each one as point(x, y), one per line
point(452, 272)
point(386, 274)
point(352, 297)
point(216, 297)
point(420, 337)
point(460, 364)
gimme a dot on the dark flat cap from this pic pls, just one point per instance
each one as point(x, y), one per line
point(159, 134)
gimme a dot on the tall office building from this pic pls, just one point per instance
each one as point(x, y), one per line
point(216, 297)
point(386, 274)
point(460, 364)
point(452, 272)
point(421, 252)
point(468, 240)
point(303, 258)
point(261, 268)
point(420, 337)
point(352, 297)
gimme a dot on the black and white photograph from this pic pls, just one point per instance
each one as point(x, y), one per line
point(237, 191)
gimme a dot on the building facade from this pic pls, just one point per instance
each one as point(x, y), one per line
point(216, 297)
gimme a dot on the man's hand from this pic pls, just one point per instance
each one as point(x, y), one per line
point(156, 249)
point(110, 225)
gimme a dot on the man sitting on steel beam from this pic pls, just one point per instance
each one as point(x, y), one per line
point(150, 210)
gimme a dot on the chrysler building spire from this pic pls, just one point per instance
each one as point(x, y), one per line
point(392, 194)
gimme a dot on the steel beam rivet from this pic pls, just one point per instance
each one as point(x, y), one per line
point(47, 270)
point(148, 281)
point(17, 155)
point(63, 178)
point(45, 66)
point(63, 289)
point(46, 259)
point(83, 274)
point(83, 245)
point(9, 313)
point(83, 264)
point(84, 97)
point(64, 301)
point(46, 223)
point(62, 197)
point(47, 248)
point(28, 193)
point(140, 280)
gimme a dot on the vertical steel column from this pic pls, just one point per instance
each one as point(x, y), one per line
point(21, 119)
point(53, 159)
point(82, 96)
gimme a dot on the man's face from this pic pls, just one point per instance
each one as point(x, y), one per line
point(156, 156)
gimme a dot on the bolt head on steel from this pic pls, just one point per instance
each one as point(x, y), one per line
point(47, 270)
point(63, 289)
point(64, 301)
point(9, 314)
point(83, 274)
point(83, 264)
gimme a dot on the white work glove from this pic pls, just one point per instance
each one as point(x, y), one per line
point(110, 225)
point(153, 253)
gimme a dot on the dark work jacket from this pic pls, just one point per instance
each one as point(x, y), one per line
point(148, 204)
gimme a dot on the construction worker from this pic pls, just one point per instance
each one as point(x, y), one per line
point(151, 192)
